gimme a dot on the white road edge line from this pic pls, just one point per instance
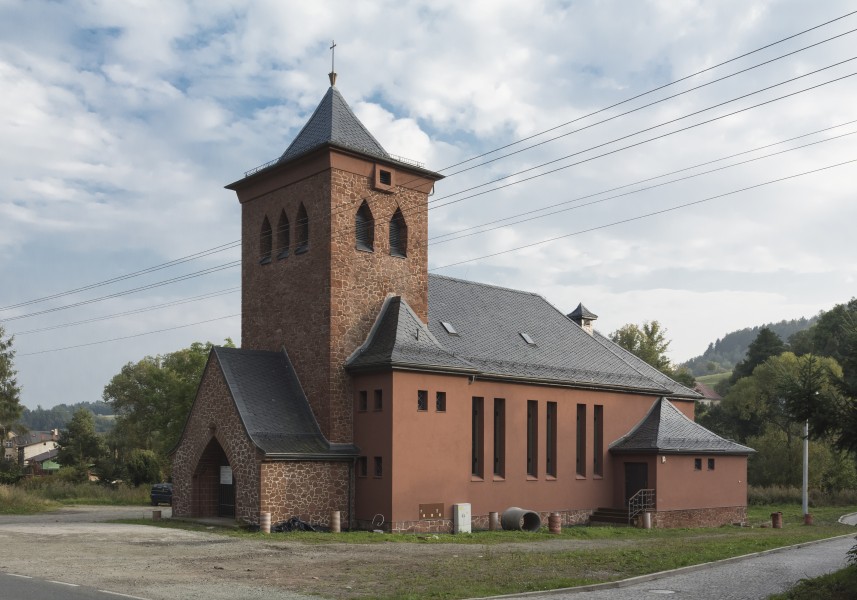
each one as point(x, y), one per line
point(122, 595)
point(16, 575)
point(63, 583)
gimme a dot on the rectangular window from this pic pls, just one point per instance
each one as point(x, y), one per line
point(697, 464)
point(499, 437)
point(440, 402)
point(477, 468)
point(422, 400)
point(598, 441)
point(710, 464)
point(379, 467)
point(379, 400)
point(362, 466)
point(581, 440)
point(550, 439)
point(533, 438)
point(363, 401)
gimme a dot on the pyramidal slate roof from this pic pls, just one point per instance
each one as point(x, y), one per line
point(273, 407)
point(488, 341)
point(581, 312)
point(334, 123)
point(399, 338)
point(666, 430)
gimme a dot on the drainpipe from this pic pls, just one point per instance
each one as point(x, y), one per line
point(350, 492)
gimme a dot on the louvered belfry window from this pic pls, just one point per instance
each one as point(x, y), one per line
point(364, 228)
point(265, 241)
point(283, 236)
point(398, 235)
point(302, 231)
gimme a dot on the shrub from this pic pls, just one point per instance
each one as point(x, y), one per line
point(781, 494)
point(143, 466)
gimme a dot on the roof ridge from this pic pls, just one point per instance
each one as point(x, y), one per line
point(489, 285)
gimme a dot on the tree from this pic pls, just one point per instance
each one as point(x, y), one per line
point(79, 444)
point(766, 345)
point(143, 466)
point(10, 392)
point(152, 397)
point(650, 344)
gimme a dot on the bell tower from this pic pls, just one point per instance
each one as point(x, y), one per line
point(329, 229)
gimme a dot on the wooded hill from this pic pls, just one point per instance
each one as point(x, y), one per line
point(726, 352)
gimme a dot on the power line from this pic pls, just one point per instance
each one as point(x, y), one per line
point(644, 216)
point(128, 337)
point(132, 312)
point(651, 187)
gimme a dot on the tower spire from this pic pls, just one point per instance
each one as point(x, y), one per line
point(332, 74)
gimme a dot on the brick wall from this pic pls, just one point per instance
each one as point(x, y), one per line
point(700, 517)
point(214, 416)
point(309, 490)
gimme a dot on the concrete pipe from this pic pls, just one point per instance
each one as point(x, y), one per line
point(520, 519)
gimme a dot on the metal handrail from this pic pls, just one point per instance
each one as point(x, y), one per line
point(642, 501)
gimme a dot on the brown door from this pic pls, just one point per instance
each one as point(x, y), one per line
point(636, 478)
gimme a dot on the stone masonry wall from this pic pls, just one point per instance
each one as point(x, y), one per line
point(700, 517)
point(477, 522)
point(214, 415)
point(309, 490)
point(321, 304)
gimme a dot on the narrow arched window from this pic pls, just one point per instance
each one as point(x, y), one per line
point(283, 236)
point(398, 235)
point(364, 228)
point(265, 241)
point(302, 231)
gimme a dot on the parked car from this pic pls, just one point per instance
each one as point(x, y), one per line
point(162, 493)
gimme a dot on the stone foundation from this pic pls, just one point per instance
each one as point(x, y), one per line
point(477, 522)
point(700, 517)
point(309, 490)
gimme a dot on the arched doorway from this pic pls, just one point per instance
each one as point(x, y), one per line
point(213, 492)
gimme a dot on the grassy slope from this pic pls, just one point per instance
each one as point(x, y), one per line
point(712, 380)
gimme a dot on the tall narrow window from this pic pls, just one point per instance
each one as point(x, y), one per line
point(363, 401)
point(533, 438)
point(364, 228)
point(550, 439)
point(283, 234)
point(499, 437)
point(440, 402)
point(265, 242)
point(362, 467)
point(398, 235)
point(581, 440)
point(302, 231)
point(379, 467)
point(422, 400)
point(476, 453)
point(379, 400)
point(598, 441)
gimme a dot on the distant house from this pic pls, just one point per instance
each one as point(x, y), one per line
point(709, 396)
point(368, 386)
point(24, 447)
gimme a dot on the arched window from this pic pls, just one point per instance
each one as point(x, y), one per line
point(364, 228)
point(398, 235)
point(265, 241)
point(302, 231)
point(283, 236)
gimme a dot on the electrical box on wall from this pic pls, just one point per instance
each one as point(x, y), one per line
point(461, 518)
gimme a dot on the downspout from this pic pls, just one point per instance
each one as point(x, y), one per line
point(350, 492)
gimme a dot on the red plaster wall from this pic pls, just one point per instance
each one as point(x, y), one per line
point(373, 435)
point(214, 415)
point(680, 486)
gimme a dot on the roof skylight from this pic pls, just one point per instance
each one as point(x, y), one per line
point(527, 338)
point(449, 328)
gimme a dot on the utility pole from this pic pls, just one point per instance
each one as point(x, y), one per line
point(806, 471)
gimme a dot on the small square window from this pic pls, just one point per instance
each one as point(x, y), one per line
point(440, 402)
point(710, 464)
point(379, 467)
point(363, 401)
point(385, 177)
point(379, 400)
point(697, 464)
point(362, 466)
point(422, 400)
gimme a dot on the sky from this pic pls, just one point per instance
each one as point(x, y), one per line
point(122, 121)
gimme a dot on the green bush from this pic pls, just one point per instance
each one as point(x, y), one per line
point(781, 494)
point(143, 466)
point(69, 492)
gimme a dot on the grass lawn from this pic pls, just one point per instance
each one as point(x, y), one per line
point(44, 494)
point(489, 563)
point(15, 501)
point(841, 585)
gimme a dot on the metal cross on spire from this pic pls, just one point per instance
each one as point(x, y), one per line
point(332, 74)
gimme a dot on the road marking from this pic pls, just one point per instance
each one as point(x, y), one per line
point(63, 583)
point(21, 576)
point(122, 595)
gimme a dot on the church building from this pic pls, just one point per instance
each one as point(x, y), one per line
point(365, 385)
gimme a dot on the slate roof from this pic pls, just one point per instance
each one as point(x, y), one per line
point(40, 458)
point(666, 430)
point(273, 407)
point(334, 123)
point(581, 312)
point(399, 338)
point(489, 321)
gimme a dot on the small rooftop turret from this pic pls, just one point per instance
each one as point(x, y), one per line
point(583, 317)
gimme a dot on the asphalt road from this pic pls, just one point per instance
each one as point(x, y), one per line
point(753, 578)
point(20, 587)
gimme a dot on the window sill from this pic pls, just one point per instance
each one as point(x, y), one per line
point(265, 260)
point(398, 255)
point(283, 254)
point(532, 478)
point(365, 249)
point(476, 478)
point(598, 477)
point(580, 476)
point(550, 477)
point(499, 478)
point(302, 250)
